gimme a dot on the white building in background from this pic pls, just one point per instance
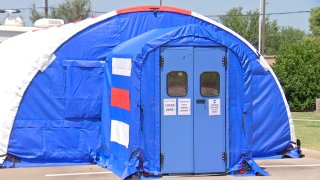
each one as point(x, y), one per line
point(13, 25)
point(10, 31)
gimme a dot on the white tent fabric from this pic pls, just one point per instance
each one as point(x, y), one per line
point(19, 67)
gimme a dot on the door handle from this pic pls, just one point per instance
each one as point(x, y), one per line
point(201, 101)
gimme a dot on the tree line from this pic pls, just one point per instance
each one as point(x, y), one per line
point(298, 67)
point(297, 53)
point(247, 25)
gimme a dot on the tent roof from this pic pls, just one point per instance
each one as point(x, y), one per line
point(24, 55)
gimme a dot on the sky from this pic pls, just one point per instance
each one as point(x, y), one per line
point(204, 7)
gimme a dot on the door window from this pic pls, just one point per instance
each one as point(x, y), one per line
point(210, 84)
point(177, 83)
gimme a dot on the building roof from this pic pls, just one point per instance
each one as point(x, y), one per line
point(10, 31)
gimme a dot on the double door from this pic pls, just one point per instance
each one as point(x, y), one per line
point(193, 110)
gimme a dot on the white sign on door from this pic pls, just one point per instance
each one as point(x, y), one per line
point(170, 108)
point(184, 106)
point(214, 107)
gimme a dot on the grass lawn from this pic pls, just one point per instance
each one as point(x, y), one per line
point(307, 131)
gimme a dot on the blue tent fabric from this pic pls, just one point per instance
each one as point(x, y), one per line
point(56, 124)
point(265, 128)
point(235, 108)
point(65, 114)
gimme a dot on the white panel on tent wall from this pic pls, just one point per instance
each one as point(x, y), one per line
point(121, 66)
point(120, 133)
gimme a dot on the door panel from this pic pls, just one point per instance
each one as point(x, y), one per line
point(209, 119)
point(176, 133)
point(192, 109)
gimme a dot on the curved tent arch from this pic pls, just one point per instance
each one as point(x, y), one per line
point(138, 49)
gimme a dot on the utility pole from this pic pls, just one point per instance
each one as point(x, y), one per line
point(46, 10)
point(262, 19)
point(160, 2)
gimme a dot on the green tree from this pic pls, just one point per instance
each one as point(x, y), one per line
point(297, 68)
point(247, 25)
point(35, 15)
point(289, 35)
point(285, 35)
point(69, 10)
point(271, 40)
point(314, 21)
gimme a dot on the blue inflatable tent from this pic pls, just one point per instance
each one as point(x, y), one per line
point(150, 90)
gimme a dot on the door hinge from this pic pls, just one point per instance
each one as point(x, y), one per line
point(224, 61)
point(224, 156)
point(161, 160)
point(161, 61)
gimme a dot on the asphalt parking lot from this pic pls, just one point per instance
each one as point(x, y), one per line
point(304, 168)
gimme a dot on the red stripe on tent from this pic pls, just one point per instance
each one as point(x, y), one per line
point(75, 22)
point(154, 8)
point(120, 98)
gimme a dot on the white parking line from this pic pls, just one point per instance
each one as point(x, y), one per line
point(77, 174)
point(291, 165)
point(109, 172)
point(307, 120)
point(306, 117)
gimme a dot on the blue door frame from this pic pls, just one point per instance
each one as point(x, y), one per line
point(193, 126)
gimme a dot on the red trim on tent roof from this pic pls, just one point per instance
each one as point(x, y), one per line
point(154, 8)
point(75, 22)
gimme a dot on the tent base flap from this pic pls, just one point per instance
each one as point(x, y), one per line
point(293, 151)
point(247, 167)
point(130, 168)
